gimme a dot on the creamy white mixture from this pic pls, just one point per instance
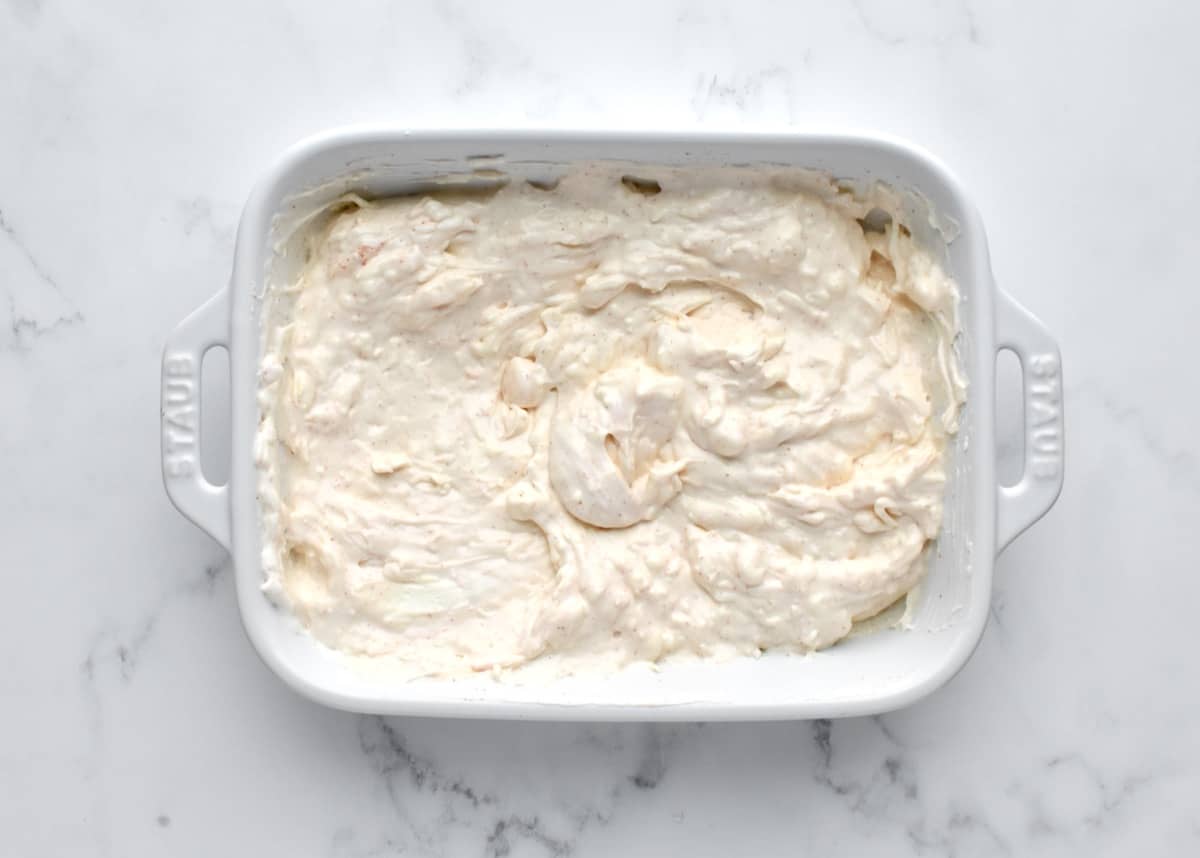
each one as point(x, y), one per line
point(604, 423)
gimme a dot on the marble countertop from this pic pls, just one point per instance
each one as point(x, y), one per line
point(138, 721)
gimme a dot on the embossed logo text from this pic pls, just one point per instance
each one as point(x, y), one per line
point(180, 425)
point(1044, 401)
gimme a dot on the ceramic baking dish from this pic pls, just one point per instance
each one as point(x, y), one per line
point(865, 674)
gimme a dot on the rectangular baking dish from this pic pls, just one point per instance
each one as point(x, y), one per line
point(865, 674)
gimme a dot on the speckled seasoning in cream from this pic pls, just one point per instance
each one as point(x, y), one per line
point(702, 414)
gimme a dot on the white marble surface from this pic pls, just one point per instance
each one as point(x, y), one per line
point(137, 720)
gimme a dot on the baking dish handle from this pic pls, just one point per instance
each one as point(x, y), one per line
point(200, 500)
point(1023, 503)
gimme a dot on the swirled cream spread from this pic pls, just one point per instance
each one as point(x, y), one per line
point(616, 420)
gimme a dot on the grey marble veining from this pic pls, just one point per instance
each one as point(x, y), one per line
point(140, 722)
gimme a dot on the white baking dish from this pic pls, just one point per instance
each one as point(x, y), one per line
point(865, 674)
